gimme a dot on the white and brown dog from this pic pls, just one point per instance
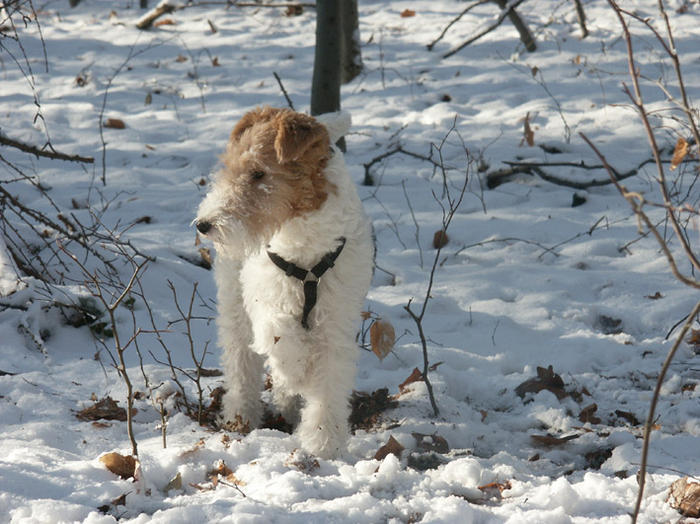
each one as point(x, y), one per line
point(293, 265)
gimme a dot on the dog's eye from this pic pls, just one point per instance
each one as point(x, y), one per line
point(257, 175)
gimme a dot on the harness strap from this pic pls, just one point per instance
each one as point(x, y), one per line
point(309, 277)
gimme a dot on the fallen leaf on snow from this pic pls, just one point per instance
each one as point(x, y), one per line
point(415, 376)
point(164, 21)
point(588, 414)
point(189, 452)
point(175, 483)
point(382, 337)
point(106, 409)
point(684, 496)
point(495, 489)
point(114, 123)
point(391, 447)
point(408, 13)
point(629, 417)
point(546, 379)
point(124, 466)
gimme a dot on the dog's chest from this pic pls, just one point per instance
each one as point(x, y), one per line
point(267, 290)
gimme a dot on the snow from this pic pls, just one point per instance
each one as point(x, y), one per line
point(524, 281)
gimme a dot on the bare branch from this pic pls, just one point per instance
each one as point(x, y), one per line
point(34, 150)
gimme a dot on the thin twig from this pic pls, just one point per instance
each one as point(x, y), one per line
point(284, 91)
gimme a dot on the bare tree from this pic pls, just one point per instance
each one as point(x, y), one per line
point(677, 213)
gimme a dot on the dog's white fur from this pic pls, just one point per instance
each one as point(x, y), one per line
point(260, 306)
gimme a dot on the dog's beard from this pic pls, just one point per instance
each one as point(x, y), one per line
point(234, 240)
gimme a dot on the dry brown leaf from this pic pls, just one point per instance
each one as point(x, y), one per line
point(164, 21)
point(440, 239)
point(546, 379)
point(629, 417)
point(408, 13)
point(495, 489)
point(588, 414)
point(548, 440)
point(392, 446)
point(215, 61)
point(106, 409)
point(124, 466)
point(684, 496)
point(181, 58)
point(382, 338)
point(189, 452)
point(175, 483)
point(415, 376)
point(694, 337)
point(294, 10)
point(528, 133)
point(679, 153)
point(114, 123)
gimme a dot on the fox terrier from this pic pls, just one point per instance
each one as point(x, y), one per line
point(294, 262)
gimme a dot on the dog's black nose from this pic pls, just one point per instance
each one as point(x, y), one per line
point(203, 227)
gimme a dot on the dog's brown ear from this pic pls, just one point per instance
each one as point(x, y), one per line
point(244, 123)
point(296, 133)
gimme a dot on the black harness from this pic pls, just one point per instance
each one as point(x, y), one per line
point(309, 277)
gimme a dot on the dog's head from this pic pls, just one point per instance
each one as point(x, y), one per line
point(272, 172)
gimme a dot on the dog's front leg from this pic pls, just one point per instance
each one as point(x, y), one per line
point(324, 427)
point(243, 369)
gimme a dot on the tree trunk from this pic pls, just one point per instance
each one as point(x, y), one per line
point(350, 44)
point(325, 86)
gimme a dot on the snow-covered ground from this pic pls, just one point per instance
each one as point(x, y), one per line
point(525, 281)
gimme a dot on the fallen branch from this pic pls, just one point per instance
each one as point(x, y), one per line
point(501, 176)
point(454, 21)
point(34, 150)
point(508, 11)
point(165, 7)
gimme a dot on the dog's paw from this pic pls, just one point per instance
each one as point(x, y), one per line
point(321, 442)
point(241, 416)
